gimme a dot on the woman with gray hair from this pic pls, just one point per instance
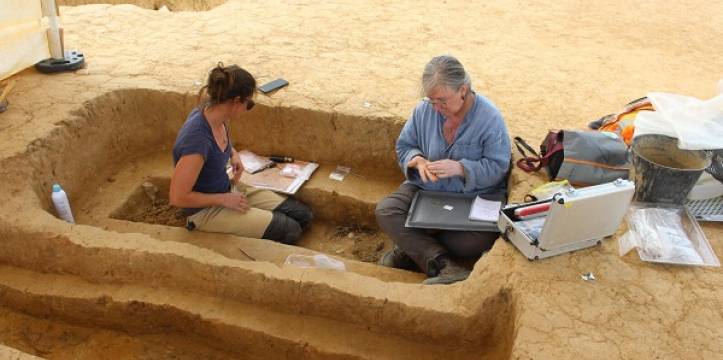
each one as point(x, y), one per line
point(455, 141)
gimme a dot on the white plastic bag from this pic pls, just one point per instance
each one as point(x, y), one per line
point(652, 122)
point(291, 171)
point(254, 163)
point(319, 261)
point(697, 124)
point(340, 173)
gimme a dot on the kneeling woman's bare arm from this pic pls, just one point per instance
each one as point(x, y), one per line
point(182, 195)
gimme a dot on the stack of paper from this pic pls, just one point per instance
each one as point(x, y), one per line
point(485, 210)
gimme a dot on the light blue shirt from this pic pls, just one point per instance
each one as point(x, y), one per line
point(481, 145)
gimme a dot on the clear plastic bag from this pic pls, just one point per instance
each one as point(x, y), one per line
point(340, 173)
point(254, 163)
point(532, 227)
point(319, 261)
point(291, 171)
point(666, 233)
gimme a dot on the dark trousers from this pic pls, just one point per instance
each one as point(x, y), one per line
point(422, 245)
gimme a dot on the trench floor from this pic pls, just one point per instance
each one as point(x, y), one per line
point(355, 241)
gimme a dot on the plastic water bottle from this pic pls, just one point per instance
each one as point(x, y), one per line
point(62, 205)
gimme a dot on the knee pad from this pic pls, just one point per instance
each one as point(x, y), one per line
point(293, 232)
point(296, 210)
point(283, 229)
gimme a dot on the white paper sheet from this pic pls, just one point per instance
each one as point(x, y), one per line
point(485, 210)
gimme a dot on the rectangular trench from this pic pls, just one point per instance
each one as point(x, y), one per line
point(111, 145)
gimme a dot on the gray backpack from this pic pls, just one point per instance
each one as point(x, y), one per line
point(583, 158)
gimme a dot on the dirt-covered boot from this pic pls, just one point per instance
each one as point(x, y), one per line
point(450, 272)
point(396, 258)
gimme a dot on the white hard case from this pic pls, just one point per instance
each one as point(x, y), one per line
point(576, 220)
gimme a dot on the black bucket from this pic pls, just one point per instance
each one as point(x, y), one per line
point(663, 173)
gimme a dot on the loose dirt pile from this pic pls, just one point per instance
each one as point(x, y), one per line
point(368, 244)
point(159, 212)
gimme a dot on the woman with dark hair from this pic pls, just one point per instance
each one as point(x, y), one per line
point(200, 184)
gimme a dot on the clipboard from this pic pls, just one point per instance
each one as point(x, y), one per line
point(271, 178)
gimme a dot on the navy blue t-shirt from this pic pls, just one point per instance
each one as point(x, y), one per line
point(196, 137)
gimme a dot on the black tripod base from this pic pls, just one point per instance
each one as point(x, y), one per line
point(73, 60)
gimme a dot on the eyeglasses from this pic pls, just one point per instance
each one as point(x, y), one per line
point(441, 102)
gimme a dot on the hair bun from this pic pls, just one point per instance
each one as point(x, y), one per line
point(228, 82)
point(219, 80)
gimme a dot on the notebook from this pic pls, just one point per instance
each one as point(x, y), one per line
point(485, 210)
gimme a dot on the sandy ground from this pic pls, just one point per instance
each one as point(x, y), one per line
point(545, 64)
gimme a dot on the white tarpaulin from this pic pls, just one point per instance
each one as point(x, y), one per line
point(23, 38)
point(698, 124)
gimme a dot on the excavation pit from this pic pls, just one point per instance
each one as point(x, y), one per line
point(104, 152)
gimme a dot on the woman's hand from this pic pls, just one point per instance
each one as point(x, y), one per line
point(446, 168)
point(422, 165)
point(237, 166)
point(234, 201)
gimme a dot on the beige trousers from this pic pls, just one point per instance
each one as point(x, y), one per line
point(252, 223)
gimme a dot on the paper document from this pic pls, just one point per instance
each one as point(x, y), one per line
point(271, 178)
point(485, 210)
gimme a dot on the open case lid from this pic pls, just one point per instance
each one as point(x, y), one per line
point(583, 214)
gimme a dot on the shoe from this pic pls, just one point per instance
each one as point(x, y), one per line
point(597, 124)
point(449, 273)
point(396, 258)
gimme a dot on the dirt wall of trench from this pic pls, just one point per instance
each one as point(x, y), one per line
point(122, 126)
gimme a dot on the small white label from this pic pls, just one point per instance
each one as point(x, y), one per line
point(448, 207)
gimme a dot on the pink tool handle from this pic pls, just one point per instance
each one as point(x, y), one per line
point(532, 209)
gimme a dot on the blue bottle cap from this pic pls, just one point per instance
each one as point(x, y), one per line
point(56, 188)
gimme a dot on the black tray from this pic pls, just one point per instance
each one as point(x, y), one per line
point(427, 212)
